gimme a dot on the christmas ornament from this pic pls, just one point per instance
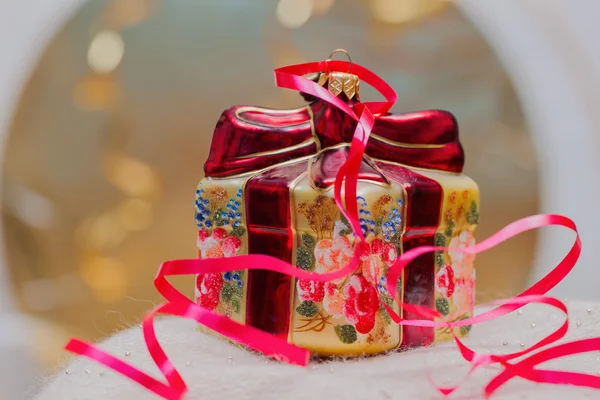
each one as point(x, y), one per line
point(246, 206)
point(269, 190)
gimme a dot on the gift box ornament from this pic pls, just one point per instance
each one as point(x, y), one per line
point(268, 189)
point(317, 225)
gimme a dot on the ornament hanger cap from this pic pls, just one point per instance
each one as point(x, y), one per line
point(338, 82)
point(345, 52)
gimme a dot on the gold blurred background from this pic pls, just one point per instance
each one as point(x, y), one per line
point(114, 126)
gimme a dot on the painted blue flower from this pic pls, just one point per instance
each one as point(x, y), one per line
point(367, 212)
point(223, 214)
point(239, 283)
point(234, 208)
point(372, 231)
point(239, 194)
point(387, 238)
point(227, 276)
point(205, 212)
point(208, 223)
point(400, 201)
point(362, 220)
point(361, 211)
point(236, 223)
point(238, 215)
point(197, 192)
point(205, 202)
point(236, 276)
point(237, 204)
point(199, 218)
point(231, 215)
point(228, 205)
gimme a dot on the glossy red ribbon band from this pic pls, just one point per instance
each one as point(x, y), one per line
point(365, 114)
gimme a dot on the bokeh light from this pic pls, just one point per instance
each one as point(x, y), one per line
point(106, 52)
point(294, 13)
point(404, 11)
point(106, 277)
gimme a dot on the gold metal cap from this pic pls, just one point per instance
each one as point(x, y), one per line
point(338, 82)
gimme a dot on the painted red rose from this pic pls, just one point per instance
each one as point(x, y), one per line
point(202, 235)
point(209, 287)
point(365, 250)
point(361, 303)
point(311, 290)
point(444, 281)
point(219, 233)
point(389, 253)
point(377, 246)
point(231, 245)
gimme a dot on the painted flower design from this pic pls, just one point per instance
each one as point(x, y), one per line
point(372, 269)
point(231, 245)
point(377, 246)
point(333, 302)
point(214, 252)
point(210, 211)
point(206, 242)
point(464, 295)
point(462, 262)
point(218, 244)
point(361, 303)
point(219, 234)
point(311, 290)
point(390, 254)
point(333, 254)
point(373, 265)
point(444, 281)
point(365, 250)
point(209, 286)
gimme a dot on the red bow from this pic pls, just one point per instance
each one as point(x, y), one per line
point(249, 138)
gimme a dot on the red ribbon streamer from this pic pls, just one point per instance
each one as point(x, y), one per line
point(365, 114)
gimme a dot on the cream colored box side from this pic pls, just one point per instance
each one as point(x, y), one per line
point(324, 317)
point(454, 271)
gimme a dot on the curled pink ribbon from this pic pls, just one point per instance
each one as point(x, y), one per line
point(177, 304)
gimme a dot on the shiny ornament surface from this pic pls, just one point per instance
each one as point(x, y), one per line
point(269, 181)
